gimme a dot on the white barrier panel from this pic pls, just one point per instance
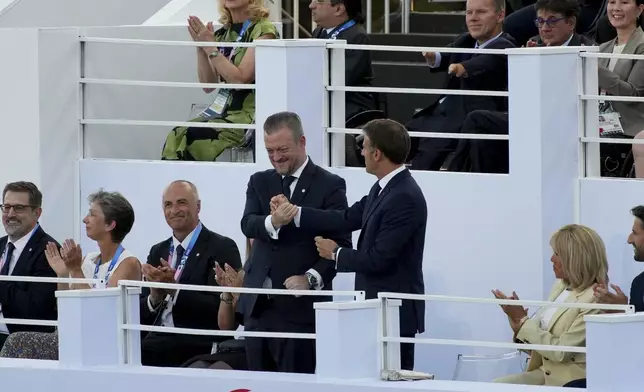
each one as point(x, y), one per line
point(615, 352)
point(62, 13)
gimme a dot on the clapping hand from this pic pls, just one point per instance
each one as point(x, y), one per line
point(604, 296)
point(72, 255)
point(515, 313)
point(282, 213)
point(164, 273)
point(277, 201)
point(201, 33)
point(55, 260)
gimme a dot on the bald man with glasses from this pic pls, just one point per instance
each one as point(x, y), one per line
point(22, 253)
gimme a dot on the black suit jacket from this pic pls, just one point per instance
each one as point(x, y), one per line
point(576, 40)
point(30, 300)
point(195, 309)
point(637, 293)
point(294, 252)
point(358, 71)
point(484, 72)
point(390, 249)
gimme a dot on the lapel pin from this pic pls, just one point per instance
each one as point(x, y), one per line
point(29, 249)
point(303, 190)
point(197, 254)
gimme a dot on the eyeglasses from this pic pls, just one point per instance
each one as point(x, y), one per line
point(550, 22)
point(17, 208)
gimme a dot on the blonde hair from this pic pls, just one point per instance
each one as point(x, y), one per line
point(256, 12)
point(583, 256)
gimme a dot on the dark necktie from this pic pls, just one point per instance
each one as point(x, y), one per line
point(286, 186)
point(323, 34)
point(179, 255)
point(373, 194)
point(7, 259)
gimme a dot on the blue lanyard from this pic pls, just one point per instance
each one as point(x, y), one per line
point(186, 253)
point(348, 24)
point(245, 27)
point(6, 246)
point(115, 260)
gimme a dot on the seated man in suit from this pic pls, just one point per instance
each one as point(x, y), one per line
point(556, 20)
point(188, 257)
point(283, 256)
point(484, 20)
point(23, 254)
point(343, 19)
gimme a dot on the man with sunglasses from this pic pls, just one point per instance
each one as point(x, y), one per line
point(22, 253)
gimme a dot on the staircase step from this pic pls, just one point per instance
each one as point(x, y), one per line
point(401, 107)
point(397, 39)
point(437, 22)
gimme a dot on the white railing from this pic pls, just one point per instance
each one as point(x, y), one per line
point(337, 91)
point(589, 136)
point(385, 338)
point(127, 326)
point(41, 279)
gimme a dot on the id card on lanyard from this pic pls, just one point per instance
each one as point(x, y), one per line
point(345, 26)
point(223, 96)
point(609, 119)
point(180, 264)
point(115, 260)
point(6, 249)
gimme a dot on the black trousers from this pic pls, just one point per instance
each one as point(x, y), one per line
point(407, 353)
point(483, 156)
point(431, 153)
point(520, 24)
point(171, 350)
point(277, 354)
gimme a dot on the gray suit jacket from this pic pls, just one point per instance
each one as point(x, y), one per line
point(627, 79)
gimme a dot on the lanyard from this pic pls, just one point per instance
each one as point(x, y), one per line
point(6, 247)
point(346, 25)
point(115, 260)
point(186, 253)
point(239, 37)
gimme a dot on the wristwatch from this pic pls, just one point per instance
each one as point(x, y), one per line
point(214, 54)
point(313, 281)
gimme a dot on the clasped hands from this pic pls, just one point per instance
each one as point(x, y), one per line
point(164, 273)
point(515, 313)
point(202, 33)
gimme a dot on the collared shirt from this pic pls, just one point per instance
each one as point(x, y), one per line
point(437, 61)
point(274, 233)
point(19, 245)
point(166, 317)
point(568, 40)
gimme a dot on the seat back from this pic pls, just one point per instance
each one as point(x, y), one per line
point(353, 143)
point(485, 368)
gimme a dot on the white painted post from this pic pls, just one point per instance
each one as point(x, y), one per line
point(337, 71)
point(291, 78)
point(347, 338)
point(89, 330)
point(544, 86)
point(614, 358)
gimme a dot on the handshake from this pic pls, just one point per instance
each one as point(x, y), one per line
point(282, 211)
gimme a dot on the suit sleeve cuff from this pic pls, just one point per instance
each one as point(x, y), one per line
point(336, 257)
point(437, 61)
point(318, 277)
point(272, 232)
point(296, 219)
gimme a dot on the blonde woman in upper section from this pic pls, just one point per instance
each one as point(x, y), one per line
point(243, 21)
point(579, 262)
point(623, 77)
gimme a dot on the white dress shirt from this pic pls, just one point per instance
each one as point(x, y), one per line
point(19, 248)
point(274, 233)
point(166, 317)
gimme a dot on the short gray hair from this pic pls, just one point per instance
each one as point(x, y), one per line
point(289, 120)
point(116, 209)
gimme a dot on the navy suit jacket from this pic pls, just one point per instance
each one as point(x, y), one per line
point(390, 248)
point(294, 252)
point(637, 293)
point(30, 300)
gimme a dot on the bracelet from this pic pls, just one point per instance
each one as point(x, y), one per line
point(226, 299)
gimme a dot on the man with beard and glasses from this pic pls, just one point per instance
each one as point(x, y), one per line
point(636, 239)
point(22, 253)
point(284, 256)
point(188, 257)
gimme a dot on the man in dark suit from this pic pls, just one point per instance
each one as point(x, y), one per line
point(343, 19)
point(282, 255)
point(22, 253)
point(484, 20)
point(556, 20)
point(392, 220)
point(188, 257)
